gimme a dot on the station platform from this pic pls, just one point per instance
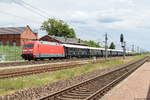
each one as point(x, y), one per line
point(135, 87)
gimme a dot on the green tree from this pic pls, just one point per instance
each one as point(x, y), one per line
point(112, 46)
point(58, 28)
point(91, 43)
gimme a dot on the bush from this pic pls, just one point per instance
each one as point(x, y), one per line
point(10, 53)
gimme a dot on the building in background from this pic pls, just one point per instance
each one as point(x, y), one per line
point(16, 36)
point(62, 40)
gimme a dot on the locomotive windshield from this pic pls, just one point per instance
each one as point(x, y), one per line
point(28, 45)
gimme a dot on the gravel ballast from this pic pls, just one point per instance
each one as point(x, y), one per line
point(35, 93)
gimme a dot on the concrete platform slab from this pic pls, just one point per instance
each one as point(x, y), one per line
point(134, 87)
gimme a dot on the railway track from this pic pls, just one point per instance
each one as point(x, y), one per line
point(38, 70)
point(95, 88)
point(7, 64)
point(18, 72)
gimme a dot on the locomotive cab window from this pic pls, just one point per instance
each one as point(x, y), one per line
point(28, 45)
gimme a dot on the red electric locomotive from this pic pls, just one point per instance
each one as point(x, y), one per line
point(41, 49)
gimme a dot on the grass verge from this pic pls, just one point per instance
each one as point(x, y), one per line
point(8, 86)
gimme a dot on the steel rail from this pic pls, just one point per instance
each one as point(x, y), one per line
point(63, 94)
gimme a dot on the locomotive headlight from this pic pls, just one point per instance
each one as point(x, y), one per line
point(24, 50)
point(30, 50)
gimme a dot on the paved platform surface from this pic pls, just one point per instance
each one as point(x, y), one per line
point(134, 87)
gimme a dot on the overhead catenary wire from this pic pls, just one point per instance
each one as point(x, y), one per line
point(16, 16)
point(7, 24)
point(130, 46)
point(40, 10)
point(28, 7)
point(35, 9)
point(117, 43)
point(31, 9)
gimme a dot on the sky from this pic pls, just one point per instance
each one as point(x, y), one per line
point(91, 19)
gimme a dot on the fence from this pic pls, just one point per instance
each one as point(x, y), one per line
point(10, 53)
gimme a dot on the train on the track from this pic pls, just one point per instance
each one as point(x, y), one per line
point(35, 50)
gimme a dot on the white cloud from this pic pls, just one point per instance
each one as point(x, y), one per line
point(90, 18)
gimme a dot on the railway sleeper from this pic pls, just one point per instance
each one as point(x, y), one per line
point(78, 94)
point(83, 88)
point(81, 91)
point(73, 97)
point(63, 98)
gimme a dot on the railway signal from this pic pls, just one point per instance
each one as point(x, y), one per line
point(123, 44)
point(121, 38)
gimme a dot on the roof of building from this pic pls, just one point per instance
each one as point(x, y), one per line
point(66, 40)
point(12, 30)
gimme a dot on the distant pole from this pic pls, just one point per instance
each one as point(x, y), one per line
point(106, 47)
point(138, 49)
point(124, 50)
point(133, 48)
